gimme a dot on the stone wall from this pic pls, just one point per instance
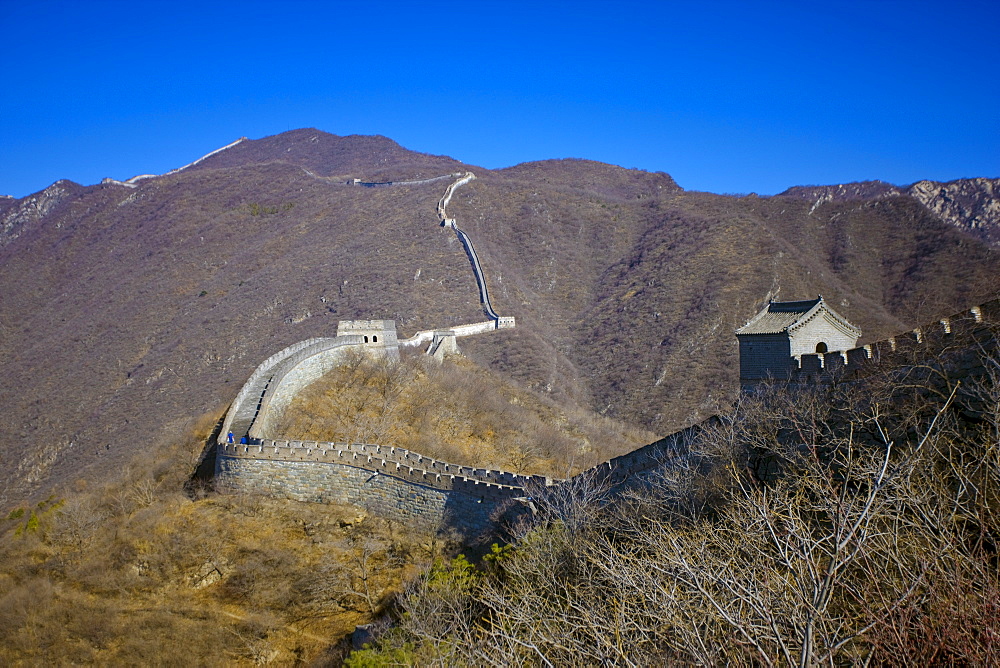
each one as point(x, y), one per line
point(768, 360)
point(409, 487)
point(292, 376)
point(964, 331)
point(424, 509)
point(956, 348)
point(638, 467)
point(375, 332)
point(246, 406)
point(393, 483)
point(764, 356)
point(427, 335)
point(820, 329)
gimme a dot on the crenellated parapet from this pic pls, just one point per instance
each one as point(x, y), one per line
point(387, 460)
point(394, 483)
point(945, 336)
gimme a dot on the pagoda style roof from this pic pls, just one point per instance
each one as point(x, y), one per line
point(779, 317)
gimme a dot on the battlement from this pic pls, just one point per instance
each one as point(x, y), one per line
point(382, 332)
point(387, 460)
point(967, 327)
point(392, 482)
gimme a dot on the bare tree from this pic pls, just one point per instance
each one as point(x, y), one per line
point(354, 576)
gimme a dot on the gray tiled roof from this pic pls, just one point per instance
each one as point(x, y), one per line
point(779, 317)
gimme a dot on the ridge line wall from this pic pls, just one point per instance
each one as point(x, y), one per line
point(470, 251)
point(427, 335)
point(416, 182)
point(411, 487)
point(292, 374)
point(256, 384)
point(930, 339)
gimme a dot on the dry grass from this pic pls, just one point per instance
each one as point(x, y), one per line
point(455, 411)
point(135, 572)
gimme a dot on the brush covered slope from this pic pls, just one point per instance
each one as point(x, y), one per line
point(129, 312)
point(439, 409)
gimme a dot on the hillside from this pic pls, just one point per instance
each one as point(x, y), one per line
point(131, 312)
point(971, 205)
point(440, 410)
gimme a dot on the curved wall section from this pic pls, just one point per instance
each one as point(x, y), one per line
point(382, 480)
point(294, 373)
point(247, 403)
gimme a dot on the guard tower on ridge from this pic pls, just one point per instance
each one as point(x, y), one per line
point(375, 333)
point(773, 341)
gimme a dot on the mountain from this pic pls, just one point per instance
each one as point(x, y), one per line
point(132, 311)
point(972, 205)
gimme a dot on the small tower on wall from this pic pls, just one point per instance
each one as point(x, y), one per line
point(772, 342)
point(377, 335)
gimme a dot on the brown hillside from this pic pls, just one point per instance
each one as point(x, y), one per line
point(971, 205)
point(376, 157)
point(128, 312)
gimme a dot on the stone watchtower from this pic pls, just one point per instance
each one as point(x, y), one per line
point(376, 334)
point(774, 340)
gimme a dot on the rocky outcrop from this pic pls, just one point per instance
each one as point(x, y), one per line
point(972, 205)
point(969, 204)
point(28, 211)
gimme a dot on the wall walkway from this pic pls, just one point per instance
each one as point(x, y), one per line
point(470, 250)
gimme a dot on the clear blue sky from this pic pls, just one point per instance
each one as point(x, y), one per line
point(724, 96)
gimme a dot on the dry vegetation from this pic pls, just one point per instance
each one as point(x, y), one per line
point(626, 289)
point(457, 412)
point(137, 572)
point(848, 525)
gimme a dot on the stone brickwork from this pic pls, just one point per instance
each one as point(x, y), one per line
point(425, 509)
point(380, 333)
point(245, 408)
point(638, 467)
point(785, 330)
point(963, 335)
point(401, 485)
point(427, 335)
point(764, 356)
point(470, 250)
point(393, 483)
point(295, 373)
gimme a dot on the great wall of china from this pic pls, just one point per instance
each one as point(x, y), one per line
point(391, 482)
point(421, 491)
point(410, 487)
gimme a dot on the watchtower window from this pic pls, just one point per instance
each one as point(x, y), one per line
point(366, 339)
point(374, 339)
point(821, 347)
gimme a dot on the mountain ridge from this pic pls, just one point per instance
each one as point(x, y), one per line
point(970, 204)
point(130, 312)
